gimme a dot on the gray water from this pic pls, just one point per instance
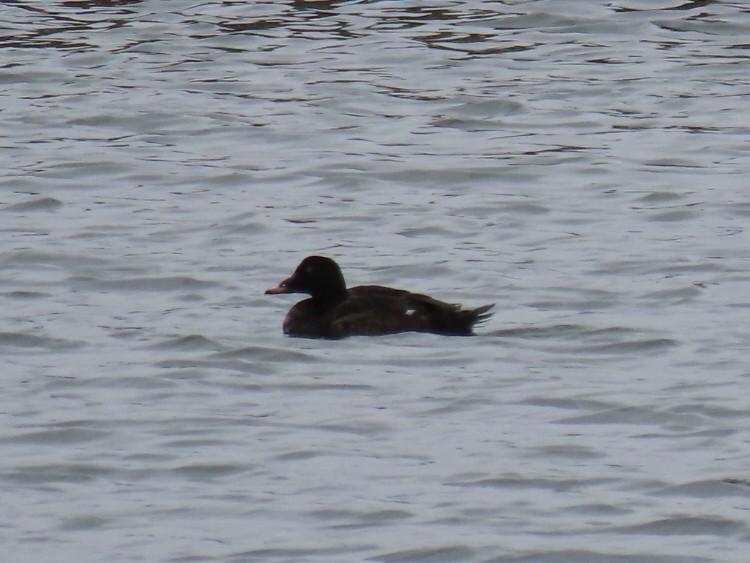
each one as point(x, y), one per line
point(584, 165)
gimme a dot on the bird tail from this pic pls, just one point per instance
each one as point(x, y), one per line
point(481, 314)
point(468, 318)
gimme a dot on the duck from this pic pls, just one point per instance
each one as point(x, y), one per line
point(334, 311)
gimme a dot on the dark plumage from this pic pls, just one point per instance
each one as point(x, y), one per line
point(333, 311)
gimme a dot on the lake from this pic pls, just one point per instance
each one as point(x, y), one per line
point(583, 165)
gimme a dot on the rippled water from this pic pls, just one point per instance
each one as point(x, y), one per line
point(582, 164)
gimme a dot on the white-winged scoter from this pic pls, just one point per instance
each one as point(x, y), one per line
point(333, 311)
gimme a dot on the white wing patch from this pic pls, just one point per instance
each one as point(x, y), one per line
point(410, 312)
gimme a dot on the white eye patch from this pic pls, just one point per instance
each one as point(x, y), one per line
point(409, 312)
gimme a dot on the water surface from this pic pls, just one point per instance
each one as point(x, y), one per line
point(582, 165)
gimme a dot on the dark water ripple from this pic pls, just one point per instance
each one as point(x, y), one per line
point(582, 165)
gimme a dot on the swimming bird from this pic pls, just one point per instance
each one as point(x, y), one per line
point(333, 311)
